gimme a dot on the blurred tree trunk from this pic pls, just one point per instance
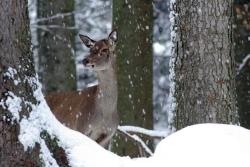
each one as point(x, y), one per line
point(56, 46)
point(16, 74)
point(15, 53)
point(242, 50)
point(134, 22)
point(204, 63)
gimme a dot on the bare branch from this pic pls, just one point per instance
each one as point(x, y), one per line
point(150, 133)
point(144, 149)
point(58, 15)
point(244, 62)
point(62, 15)
point(56, 27)
point(48, 30)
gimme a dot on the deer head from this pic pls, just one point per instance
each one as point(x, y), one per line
point(101, 54)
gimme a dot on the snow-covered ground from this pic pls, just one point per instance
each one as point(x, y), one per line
point(206, 145)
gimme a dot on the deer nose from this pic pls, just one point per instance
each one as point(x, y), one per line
point(85, 62)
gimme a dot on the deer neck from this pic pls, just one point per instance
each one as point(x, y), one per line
point(107, 89)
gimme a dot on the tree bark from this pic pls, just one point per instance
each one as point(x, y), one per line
point(242, 50)
point(134, 66)
point(15, 53)
point(204, 63)
point(16, 68)
point(56, 46)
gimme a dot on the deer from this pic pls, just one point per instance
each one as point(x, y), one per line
point(92, 111)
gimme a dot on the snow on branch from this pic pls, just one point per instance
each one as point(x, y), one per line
point(143, 148)
point(143, 131)
point(244, 62)
point(129, 132)
point(56, 27)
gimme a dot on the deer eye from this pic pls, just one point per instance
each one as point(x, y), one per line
point(105, 51)
point(94, 51)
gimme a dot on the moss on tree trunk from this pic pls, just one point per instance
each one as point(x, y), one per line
point(134, 22)
point(15, 53)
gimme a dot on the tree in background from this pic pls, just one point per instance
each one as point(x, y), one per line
point(242, 56)
point(56, 38)
point(133, 21)
point(204, 63)
point(162, 54)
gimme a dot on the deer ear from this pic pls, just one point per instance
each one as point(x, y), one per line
point(113, 37)
point(87, 41)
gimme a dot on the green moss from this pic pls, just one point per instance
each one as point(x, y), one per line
point(134, 66)
point(51, 143)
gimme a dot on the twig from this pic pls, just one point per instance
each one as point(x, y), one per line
point(46, 29)
point(144, 150)
point(55, 27)
point(58, 15)
point(62, 15)
point(244, 62)
point(150, 133)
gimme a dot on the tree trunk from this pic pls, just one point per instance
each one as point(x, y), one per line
point(56, 46)
point(242, 50)
point(15, 53)
point(133, 20)
point(16, 73)
point(204, 63)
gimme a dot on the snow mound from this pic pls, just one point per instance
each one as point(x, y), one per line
point(206, 145)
